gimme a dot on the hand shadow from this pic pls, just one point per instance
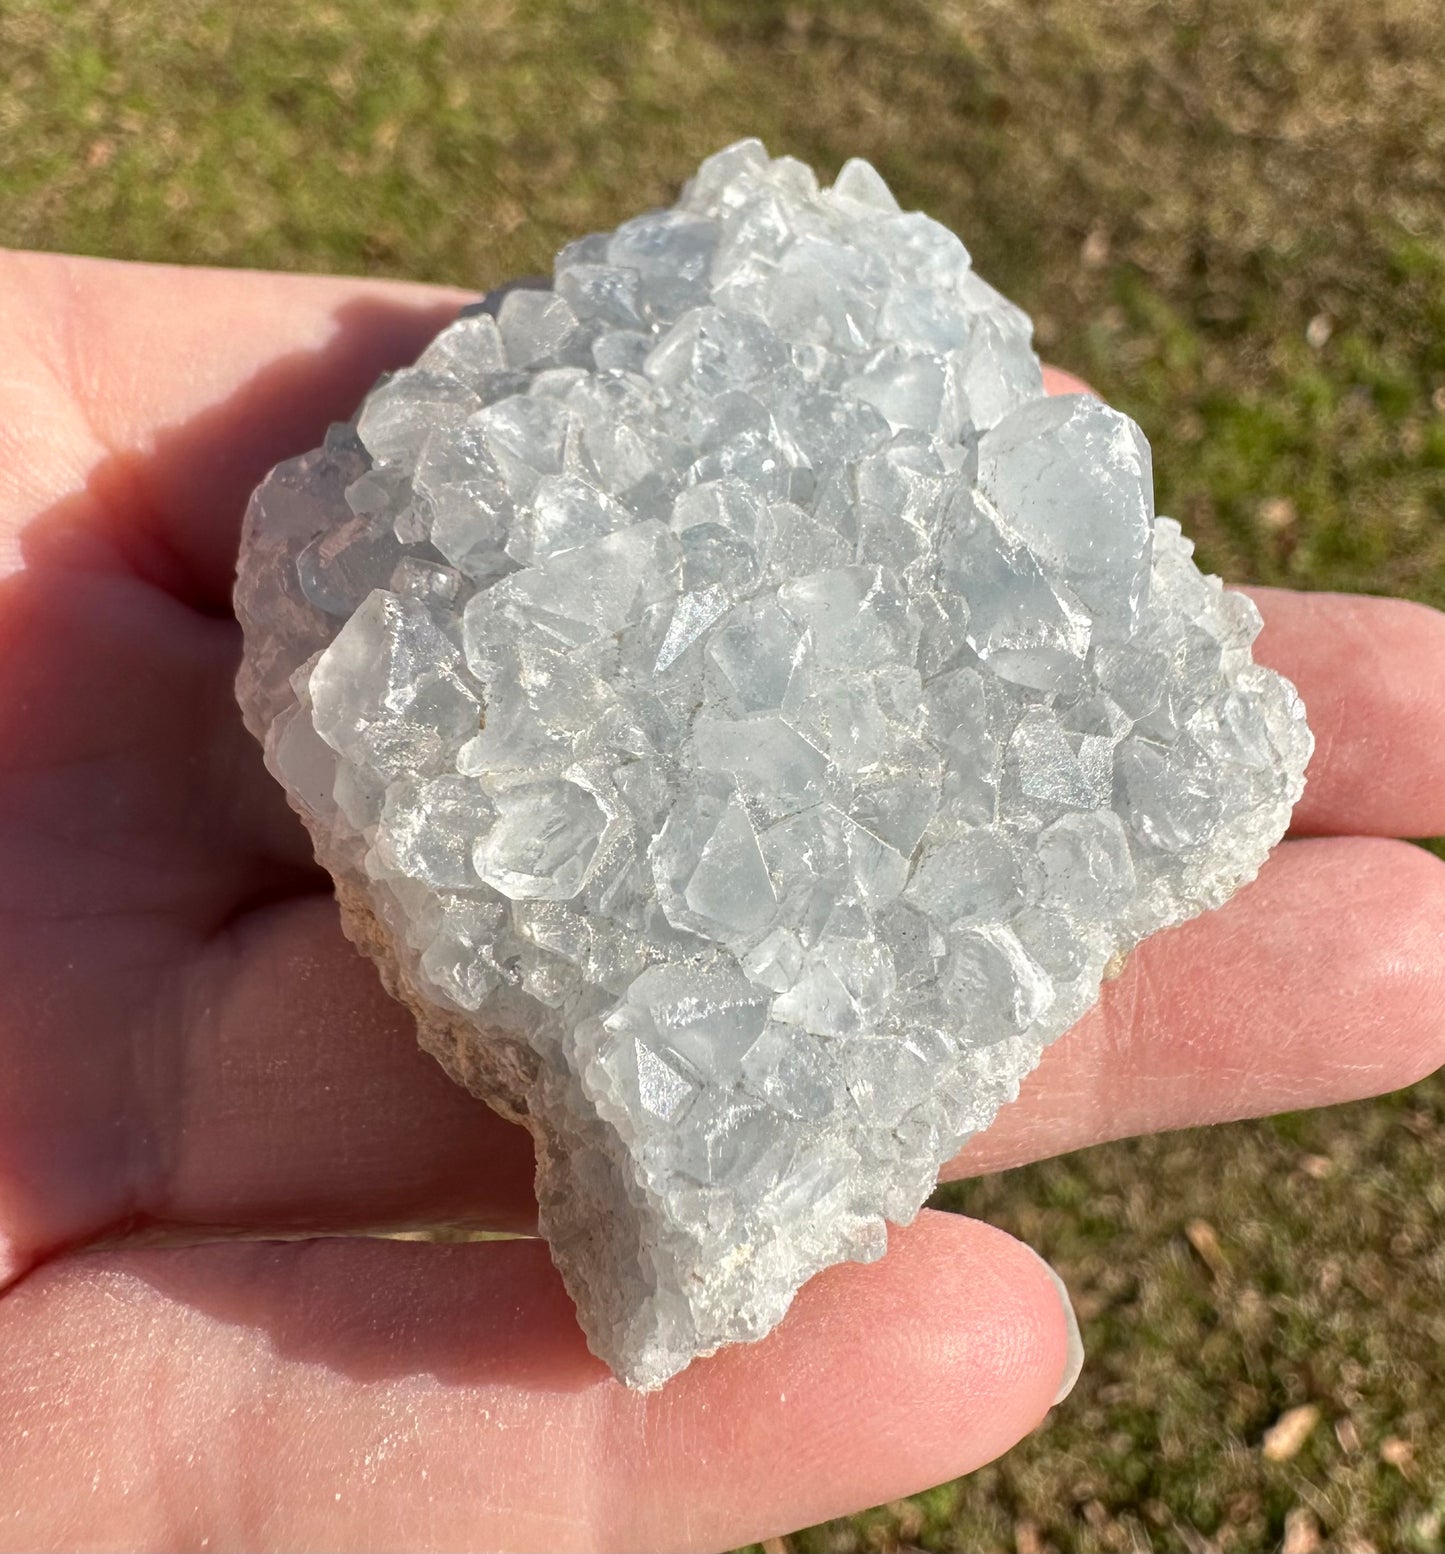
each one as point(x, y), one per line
point(491, 1314)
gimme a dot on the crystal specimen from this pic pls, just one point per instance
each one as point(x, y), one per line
point(744, 718)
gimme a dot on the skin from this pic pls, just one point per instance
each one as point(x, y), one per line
point(192, 1052)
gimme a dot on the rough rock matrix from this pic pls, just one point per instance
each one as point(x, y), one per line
point(744, 718)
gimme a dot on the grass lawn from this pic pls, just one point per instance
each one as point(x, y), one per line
point(1231, 218)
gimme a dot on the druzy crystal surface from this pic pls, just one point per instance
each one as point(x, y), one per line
point(744, 718)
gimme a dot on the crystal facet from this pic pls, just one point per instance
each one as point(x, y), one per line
point(744, 717)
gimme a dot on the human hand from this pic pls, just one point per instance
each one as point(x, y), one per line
point(190, 1049)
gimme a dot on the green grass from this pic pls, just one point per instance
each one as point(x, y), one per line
point(1228, 217)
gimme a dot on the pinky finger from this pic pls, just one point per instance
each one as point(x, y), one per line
point(354, 1394)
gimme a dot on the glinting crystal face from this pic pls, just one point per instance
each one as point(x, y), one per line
point(745, 717)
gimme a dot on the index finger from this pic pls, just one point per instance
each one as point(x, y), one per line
point(182, 386)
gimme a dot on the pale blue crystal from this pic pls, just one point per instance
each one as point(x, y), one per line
point(541, 842)
point(745, 718)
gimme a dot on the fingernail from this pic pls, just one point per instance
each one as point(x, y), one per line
point(1074, 1360)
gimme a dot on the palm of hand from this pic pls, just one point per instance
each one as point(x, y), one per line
point(191, 1049)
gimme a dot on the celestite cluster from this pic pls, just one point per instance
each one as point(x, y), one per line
point(744, 718)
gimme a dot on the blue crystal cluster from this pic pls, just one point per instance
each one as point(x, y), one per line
point(746, 717)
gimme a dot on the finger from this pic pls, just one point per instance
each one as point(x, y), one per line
point(301, 1102)
point(268, 360)
point(165, 393)
point(1371, 673)
point(1057, 381)
point(374, 1395)
point(1363, 666)
point(1323, 981)
point(307, 1107)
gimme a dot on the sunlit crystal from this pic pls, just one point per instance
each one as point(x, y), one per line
point(745, 716)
